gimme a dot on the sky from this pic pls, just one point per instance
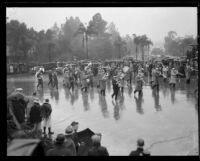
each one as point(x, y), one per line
point(155, 22)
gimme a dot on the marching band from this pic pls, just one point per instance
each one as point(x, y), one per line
point(74, 75)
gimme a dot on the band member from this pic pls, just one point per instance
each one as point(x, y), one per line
point(71, 81)
point(140, 82)
point(174, 72)
point(50, 78)
point(39, 77)
point(102, 83)
point(188, 71)
point(122, 84)
point(55, 80)
point(115, 84)
point(84, 81)
point(164, 72)
point(155, 79)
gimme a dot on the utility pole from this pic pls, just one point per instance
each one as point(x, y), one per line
point(86, 37)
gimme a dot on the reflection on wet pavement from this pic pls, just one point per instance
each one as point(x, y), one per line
point(168, 120)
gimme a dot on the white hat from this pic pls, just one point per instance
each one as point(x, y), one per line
point(36, 101)
point(69, 131)
point(96, 138)
point(18, 90)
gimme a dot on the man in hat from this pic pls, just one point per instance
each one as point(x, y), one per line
point(46, 115)
point(35, 116)
point(97, 149)
point(59, 149)
point(30, 104)
point(140, 151)
point(69, 143)
point(20, 90)
point(75, 125)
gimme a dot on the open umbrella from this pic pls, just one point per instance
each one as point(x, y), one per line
point(84, 137)
point(16, 96)
point(24, 147)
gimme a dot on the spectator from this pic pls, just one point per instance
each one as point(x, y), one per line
point(30, 105)
point(11, 69)
point(8, 69)
point(74, 125)
point(35, 116)
point(97, 149)
point(46, 115)
point(69, 143)
point(59, 149)
point(140, 151)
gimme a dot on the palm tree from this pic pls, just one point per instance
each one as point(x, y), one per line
point(137, 43)
point(120, 44)
point(51, 47)
point(86, 32)
point(144, 42)
point(148, 43)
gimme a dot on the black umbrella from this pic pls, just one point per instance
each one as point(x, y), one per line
point(25, 147)
point(84, 138)
point(16, 96)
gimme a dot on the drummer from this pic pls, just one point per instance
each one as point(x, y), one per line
point(39, 77)
point(140, 82)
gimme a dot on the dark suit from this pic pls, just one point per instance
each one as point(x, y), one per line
point(139, 152)
point(115, 89)
point(98, 150)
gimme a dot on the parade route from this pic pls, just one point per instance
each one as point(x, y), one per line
point(168, 129)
